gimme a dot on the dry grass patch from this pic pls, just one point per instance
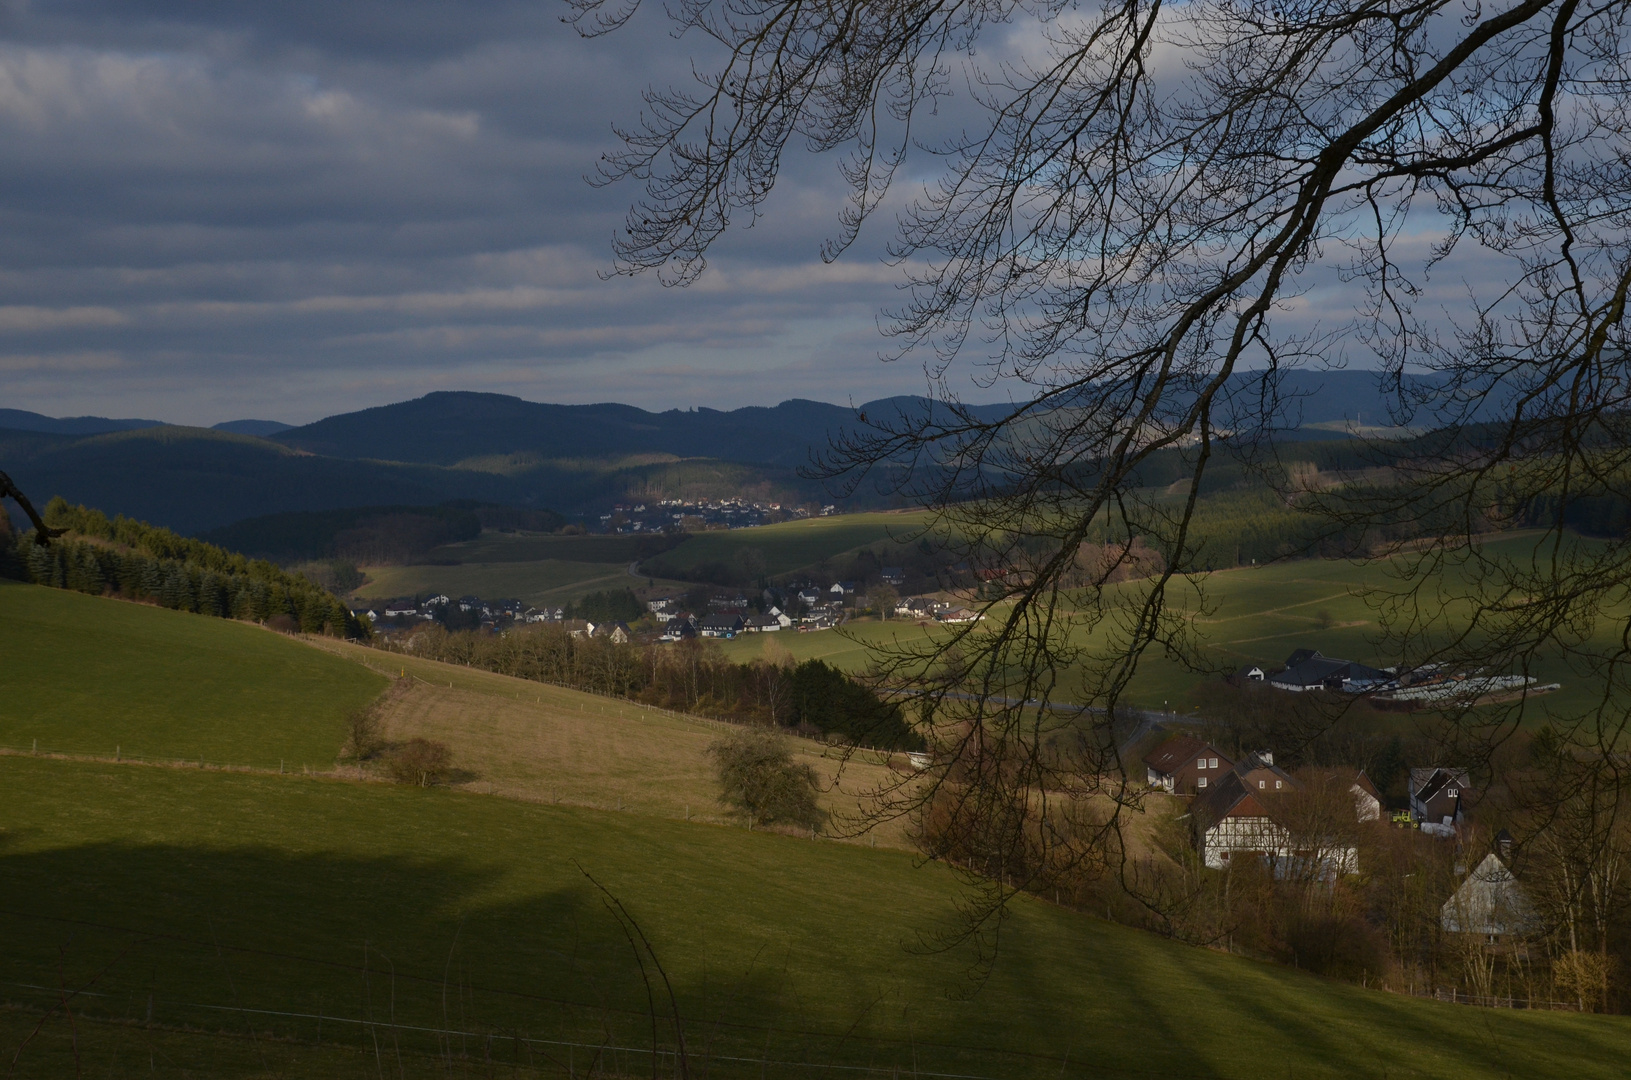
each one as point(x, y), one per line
point(523, 740)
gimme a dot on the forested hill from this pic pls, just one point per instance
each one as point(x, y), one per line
point(449, 427)
point(490, 449)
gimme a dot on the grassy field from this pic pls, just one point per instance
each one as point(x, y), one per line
point(88, 675)
point(546, 581)
point(520, 739)
point(557, 569)
point(1257, 615)
point(537, 569)
point(796, 545)
point(188, 898)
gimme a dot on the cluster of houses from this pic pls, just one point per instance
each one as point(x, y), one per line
point(1234, 807)
point(1235, 815)
point(670, 515)
point(925, 608)
point(494, 615)
point(728, 615)
point(1308, 669)
point(489, 610)
point(808, 607)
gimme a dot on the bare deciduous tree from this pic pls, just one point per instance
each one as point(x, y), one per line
point(1123, 235)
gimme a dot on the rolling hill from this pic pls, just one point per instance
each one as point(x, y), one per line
point(91, 676)
point(233, 923)
point(487, 447)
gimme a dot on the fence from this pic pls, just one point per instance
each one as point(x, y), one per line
point(114, 978)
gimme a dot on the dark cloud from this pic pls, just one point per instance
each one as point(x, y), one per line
point(223, 209)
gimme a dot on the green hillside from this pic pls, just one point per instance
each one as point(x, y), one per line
point(193, 895)
point(1252, 615)
point(88, 675)
point(792, 545)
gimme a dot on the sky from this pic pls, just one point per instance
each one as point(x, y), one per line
point(287, 210)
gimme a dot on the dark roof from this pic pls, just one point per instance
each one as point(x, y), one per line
point(722, 622)
point(1425, 784)
point(1171, 755)
point(1229, 795)
point(1313, 671)
point(1317, 670)
point(1301, 656)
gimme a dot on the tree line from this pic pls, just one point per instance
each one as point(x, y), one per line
point(133, 560)
point(694, 676)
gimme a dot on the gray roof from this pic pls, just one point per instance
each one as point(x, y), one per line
point(1490, 901)
point(1317, 670)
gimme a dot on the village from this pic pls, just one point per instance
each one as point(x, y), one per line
point(803, 606)
point(1308, 823)
point(688, 515)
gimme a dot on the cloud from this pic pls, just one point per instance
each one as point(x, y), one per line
point(215, 210)
point(294, 208)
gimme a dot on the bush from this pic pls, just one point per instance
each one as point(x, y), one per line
point(760, 780)
point(365, 733)
point(419, 761)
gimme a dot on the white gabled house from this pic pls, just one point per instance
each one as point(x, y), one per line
point(1489, 904)
point(1234, 820)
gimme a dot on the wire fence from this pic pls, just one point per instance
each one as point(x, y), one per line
point(1510, 1001)
point(573, 1024)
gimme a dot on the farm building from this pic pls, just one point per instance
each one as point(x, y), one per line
point(1306, 669)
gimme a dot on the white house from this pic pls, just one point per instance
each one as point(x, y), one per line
point(1233, 820)
point(1490, 902)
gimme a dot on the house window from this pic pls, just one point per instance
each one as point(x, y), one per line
point(1201, 782)
point(1200, 763)
point(1262, 783)
point(1452, 793)
point(1277, 785)
point(1214, 763)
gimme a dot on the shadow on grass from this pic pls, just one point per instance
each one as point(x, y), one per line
point(419, 959)
point(447, 959)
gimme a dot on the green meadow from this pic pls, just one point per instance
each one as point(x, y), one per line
point(536, 569)
point(545, 581)
point(180, 921)
point(796, 545)
point(230, 910)
point(86, 675)
point(1255, 615)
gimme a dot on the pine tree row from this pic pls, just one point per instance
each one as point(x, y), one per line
point(136, 561)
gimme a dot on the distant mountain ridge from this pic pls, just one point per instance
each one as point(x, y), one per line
point(22, 420)
point(493, 448)
point(449, 427)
